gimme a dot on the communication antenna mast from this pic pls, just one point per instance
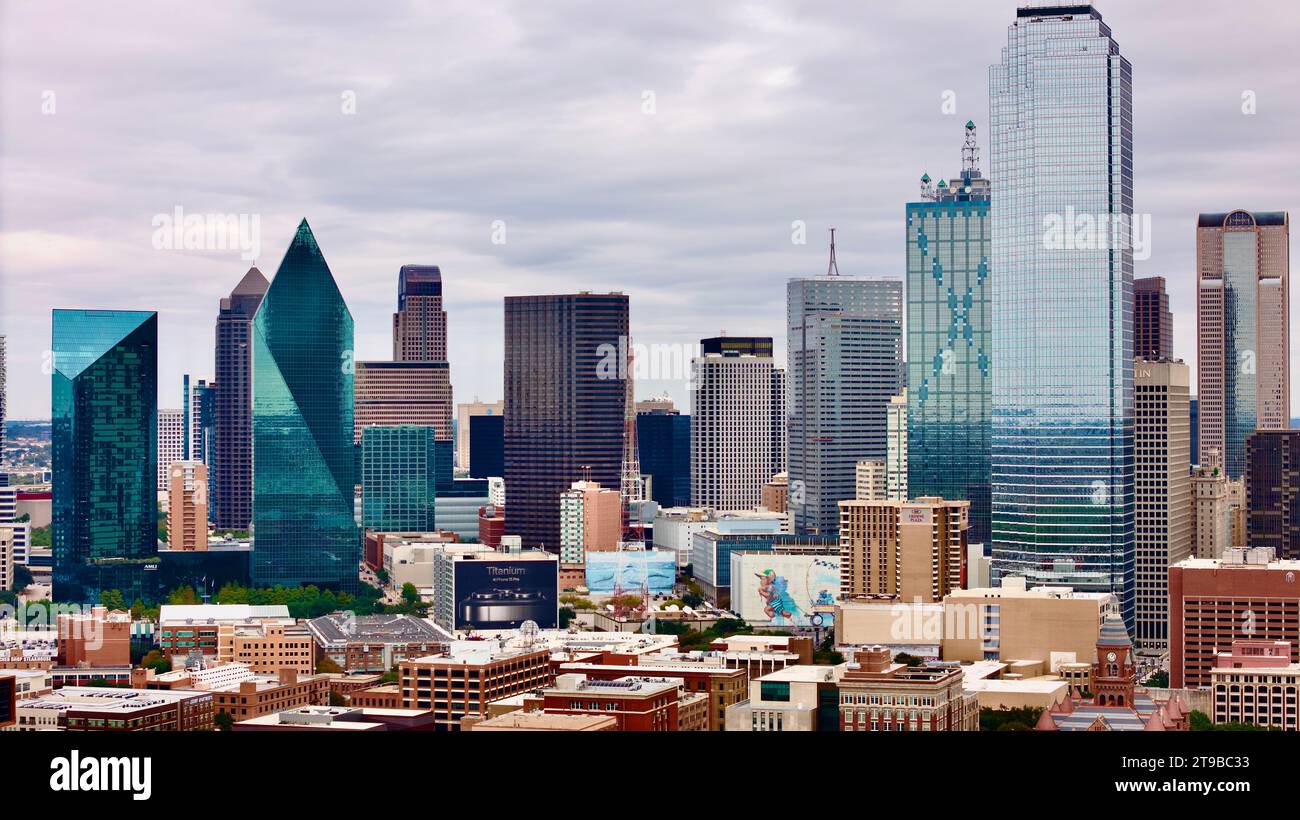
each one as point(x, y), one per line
point(631, 485)
point(832, 269)
point(970, 153)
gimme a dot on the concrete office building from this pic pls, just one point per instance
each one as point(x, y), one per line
point(171, 444)
point(896, 449)
point(845, 351)
point(734, 450)
point(1162, 492)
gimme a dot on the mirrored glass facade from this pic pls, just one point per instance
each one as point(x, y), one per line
point(304, 530)
point(1062, 285)
point(949, 347)
point(104, 439)
point(399, 477)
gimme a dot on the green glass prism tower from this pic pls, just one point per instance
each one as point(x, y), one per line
point(1062, 460)
point(304, 531)
point(104, 411)
point(949, 340)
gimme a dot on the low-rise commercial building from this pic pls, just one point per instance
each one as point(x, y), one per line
point(96, 709)
point(374, 643)
point(469, 676)
point(637, 704)
point(1255, 683)
point(878, 695)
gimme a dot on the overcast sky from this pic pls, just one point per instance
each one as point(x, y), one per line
point(535, 114)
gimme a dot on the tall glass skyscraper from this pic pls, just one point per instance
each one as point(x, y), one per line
point(399, 478)
point(949, 340)
point(1062, 280)
point(1243, 330)
point(566, 358)
point(231, 477)
point(845, 351)
point(104, 413)
point(304, 531)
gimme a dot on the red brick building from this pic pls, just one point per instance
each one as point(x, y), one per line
point(638, 704)
point(1214, 602)
point(468, 677)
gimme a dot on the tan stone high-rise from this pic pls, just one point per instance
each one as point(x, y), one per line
point(1242, 329)
point(187, 506)
point(1162, 447)
point(1211, 513)
point(913, 549)
point(392, 393)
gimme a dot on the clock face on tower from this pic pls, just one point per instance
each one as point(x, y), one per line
point(1110, 656)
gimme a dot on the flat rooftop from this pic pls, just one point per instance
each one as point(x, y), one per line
point(399, 629)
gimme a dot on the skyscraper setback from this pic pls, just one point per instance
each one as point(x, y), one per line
point(845, 351)
point(420, 323)
point(1153, 323)
point(104, 441)
point(565, 403)
point(304, 471)
point(1243, 335)
point(231, 475)
point(949, 341)
point(1061, 117)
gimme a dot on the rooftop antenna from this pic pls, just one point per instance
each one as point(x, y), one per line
point(832, 269)
point(970, 153)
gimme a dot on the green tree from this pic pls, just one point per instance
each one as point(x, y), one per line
point(1158, 680)
point(908, 660)
point(41, 537)
point(410, 594)
point(1198, 721)
point(223, 721)
point(112, 599)
point(566, 617)
point(338, 700)
point(156, 661)
point(1018, 719)
point(22, 578)
point(382, 575)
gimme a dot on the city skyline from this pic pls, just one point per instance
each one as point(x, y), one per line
point(561, 190)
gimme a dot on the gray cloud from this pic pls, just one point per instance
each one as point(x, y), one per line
point(531, 113)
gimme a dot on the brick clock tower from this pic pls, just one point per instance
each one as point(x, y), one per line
point(1114, 674)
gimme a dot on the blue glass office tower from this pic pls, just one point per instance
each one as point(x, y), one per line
point(949, 341)
point(1062, 442)
point(663, 439)
point(104, 414)
point(304, 530)
point(399, 478)
point(845, 350)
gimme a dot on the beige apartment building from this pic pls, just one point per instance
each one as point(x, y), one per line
point(187, 506)
point(913, 549)
point(871, 484)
